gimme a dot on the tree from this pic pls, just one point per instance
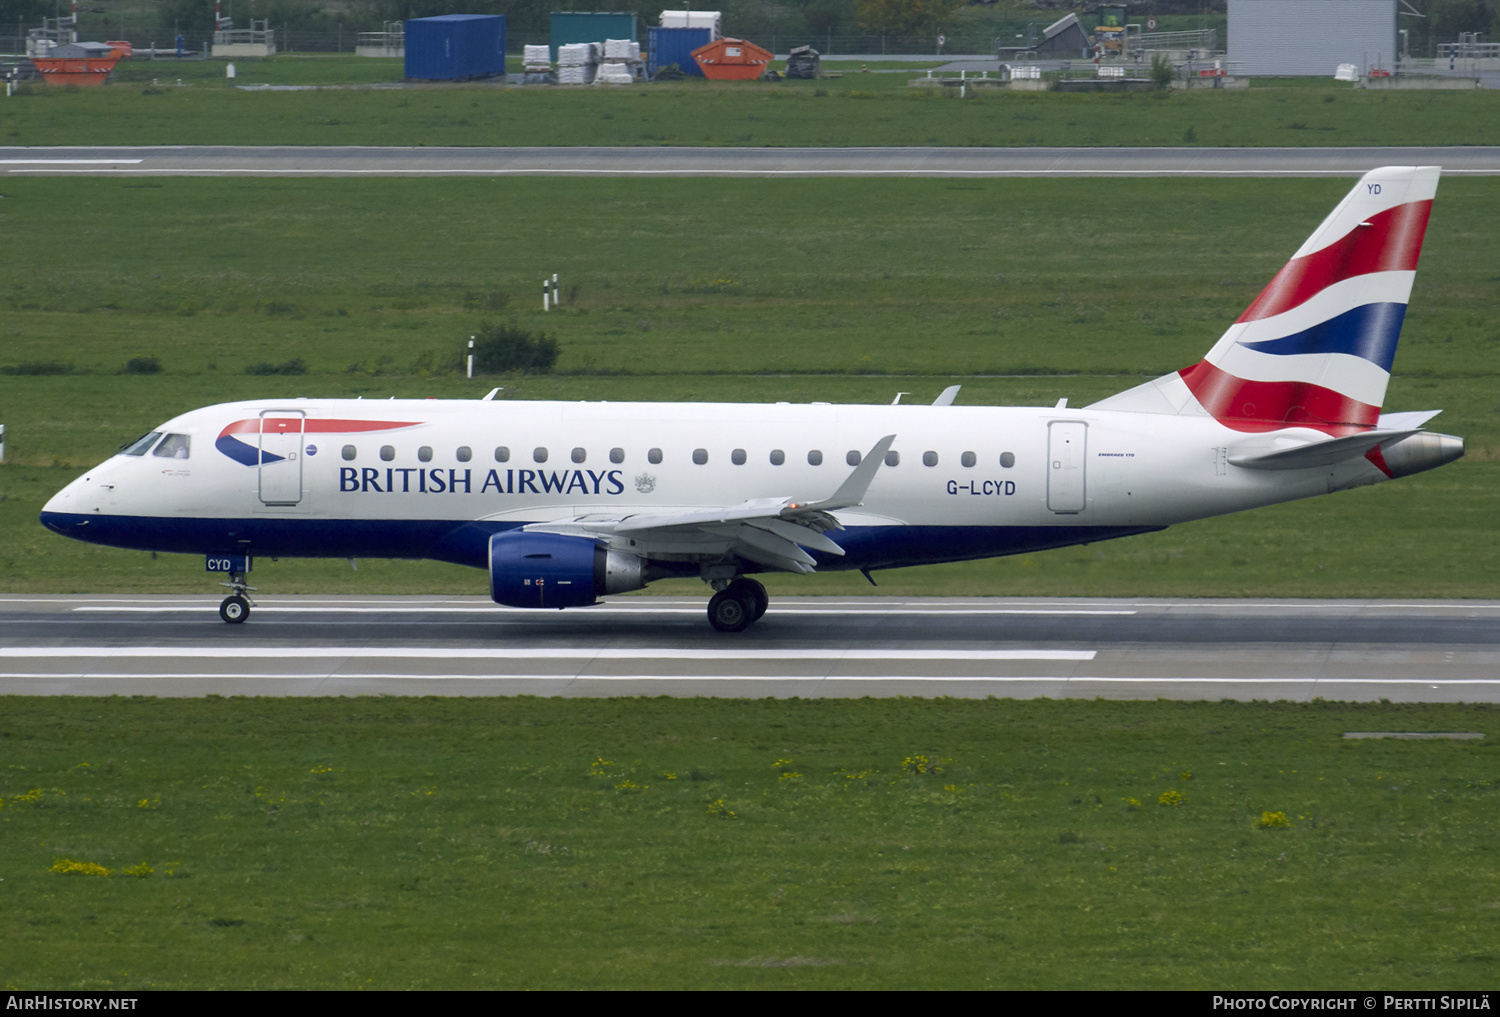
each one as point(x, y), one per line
point(906, 17)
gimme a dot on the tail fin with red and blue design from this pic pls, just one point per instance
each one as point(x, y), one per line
point(1315, 348)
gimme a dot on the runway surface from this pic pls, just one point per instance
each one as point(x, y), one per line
point(1418, 651)
point(736, 162)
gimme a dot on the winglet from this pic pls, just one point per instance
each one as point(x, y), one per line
point(852, 491)
point(946, 397)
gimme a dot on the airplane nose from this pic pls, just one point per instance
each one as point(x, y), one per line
point(60, 514)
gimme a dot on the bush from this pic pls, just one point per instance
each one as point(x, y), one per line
point(297, 366)
point(38, 367)
point(141, 365)
point(1162, 71)
point(500, 349)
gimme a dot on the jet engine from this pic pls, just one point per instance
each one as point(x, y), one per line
point(1422, 451)
point(557, 571)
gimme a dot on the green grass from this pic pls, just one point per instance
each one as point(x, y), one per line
point(386, 843)
point(747, 291)
point(858, 109)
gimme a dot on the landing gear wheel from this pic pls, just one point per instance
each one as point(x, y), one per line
point(754, 593)
point(235, 609)
point(730, 610)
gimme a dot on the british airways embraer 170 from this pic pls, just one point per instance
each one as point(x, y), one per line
point(566, 502)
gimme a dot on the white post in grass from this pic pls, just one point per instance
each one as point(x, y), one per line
point(555, 302)
point(545, 294)
point(471, 358)
point(2, 443)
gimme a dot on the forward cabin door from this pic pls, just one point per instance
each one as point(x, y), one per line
point(281, 456)
point(1066, 444)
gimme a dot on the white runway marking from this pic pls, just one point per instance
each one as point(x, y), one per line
point(525, 653)
point(1006, 679)
point(70, 162)
point(1048, 171)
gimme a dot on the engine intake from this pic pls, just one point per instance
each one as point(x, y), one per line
point(557, 571)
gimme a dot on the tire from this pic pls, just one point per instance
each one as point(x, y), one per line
point(235, 609)
point(753, 592)
point(729, 611)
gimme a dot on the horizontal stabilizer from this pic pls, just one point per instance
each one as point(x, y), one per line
point(1406, 420)
point(1318, 453)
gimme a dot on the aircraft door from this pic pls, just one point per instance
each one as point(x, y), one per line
point(1067, 441)
point(281, 456)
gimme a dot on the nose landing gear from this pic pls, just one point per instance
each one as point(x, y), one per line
point(737, 606)
point(236, 607)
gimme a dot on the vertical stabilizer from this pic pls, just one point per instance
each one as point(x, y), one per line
point(1315, 348)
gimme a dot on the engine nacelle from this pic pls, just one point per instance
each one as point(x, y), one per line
point(1425, 450)
point(557, 571)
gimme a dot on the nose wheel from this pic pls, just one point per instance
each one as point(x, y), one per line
point(236, 607)
point(738, 606)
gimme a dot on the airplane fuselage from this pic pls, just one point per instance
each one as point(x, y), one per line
point(436, 478)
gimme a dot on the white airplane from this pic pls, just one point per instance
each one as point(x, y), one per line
point(566, 502)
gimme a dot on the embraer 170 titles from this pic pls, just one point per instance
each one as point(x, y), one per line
point(563, 503)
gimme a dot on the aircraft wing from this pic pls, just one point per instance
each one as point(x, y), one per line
point(772, 532)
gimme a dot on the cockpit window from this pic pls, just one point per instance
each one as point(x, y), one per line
point(140, 446)
point(174, 446)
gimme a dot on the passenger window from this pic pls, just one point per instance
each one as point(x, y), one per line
point(893, 458)
point(617, 455)
point(387, 452)
point(654, 456)
point(425, 453)
point(349, 453)
point(815, 458)
point(539, 455)
point(700, 456)
point(502, 454)
point(464, 454)
point(929, 458)
point(579, 455)
point(140, 446)
point(737, 457)
point(173, 446)
point(777, 457)
point(1007, 459)
point(968, 459)
point(852, 458)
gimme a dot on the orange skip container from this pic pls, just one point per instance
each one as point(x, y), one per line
point(732, 60)
point(78, 63)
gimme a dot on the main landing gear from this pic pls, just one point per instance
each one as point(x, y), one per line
point(236, 607)
point(737, 606)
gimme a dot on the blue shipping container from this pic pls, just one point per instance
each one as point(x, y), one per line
point(675, 46)
point(569, 27)
point(455, 46)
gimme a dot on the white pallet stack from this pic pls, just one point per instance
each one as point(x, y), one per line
point(577, 63)
point(537, 59)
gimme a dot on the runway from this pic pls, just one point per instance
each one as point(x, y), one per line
point(329, 161)
point(1418, 651)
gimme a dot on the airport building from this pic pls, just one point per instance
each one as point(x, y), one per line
point(1311, 37)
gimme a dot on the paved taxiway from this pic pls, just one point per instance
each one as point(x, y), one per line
point(268, 161)
point(1421, 651)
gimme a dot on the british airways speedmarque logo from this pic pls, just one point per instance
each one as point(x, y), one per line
point(250, 453)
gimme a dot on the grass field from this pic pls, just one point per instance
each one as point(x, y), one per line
point(521, 843)
point(846, 291)
point(147, 107)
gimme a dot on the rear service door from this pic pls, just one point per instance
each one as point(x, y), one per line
point(1066, 443)
point(281, 457)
